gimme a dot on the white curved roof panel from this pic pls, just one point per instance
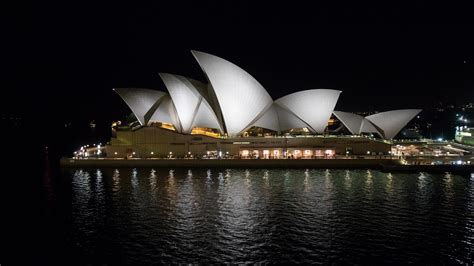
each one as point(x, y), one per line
point(355, 123)
point(140, 101)
point(314, 107)
point(288, 120)
point(367, 126)
point(391, 122)
point(269, 120)
point(205, 117)
point(185, 96)
point(241, 97)
point(352, 121)
point(279, 119)
point(192, 108)
point(166, 113)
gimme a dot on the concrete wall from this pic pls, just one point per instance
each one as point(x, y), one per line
point(223, 163)
point(147, 140)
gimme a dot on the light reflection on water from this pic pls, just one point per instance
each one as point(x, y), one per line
point(153, 181)
point(134, 178)
point(271, 216)
point(116, 181)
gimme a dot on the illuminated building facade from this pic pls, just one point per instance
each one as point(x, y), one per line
point(233, 115)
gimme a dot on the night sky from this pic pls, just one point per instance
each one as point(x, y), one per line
point(62, 60)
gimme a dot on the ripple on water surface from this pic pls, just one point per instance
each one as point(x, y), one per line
point(271, 216)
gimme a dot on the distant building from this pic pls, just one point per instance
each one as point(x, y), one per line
point(464, 135)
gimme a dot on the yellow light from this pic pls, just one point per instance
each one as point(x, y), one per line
point(204, 131)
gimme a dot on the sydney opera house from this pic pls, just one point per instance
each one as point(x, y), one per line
point(232, 115)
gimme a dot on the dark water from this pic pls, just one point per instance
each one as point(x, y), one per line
point(258, 216)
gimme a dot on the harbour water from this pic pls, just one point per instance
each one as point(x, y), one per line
point(322, 216)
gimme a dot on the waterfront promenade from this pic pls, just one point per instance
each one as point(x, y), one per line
point(384, 164)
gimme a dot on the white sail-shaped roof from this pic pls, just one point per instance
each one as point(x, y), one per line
point(279, 119)
point(205, 117)
point(192, 108)
point(355, 123)
point(391, 122)
point(241, 98)
point(140, 101)
point(352, 121)
point(185, 96)
point(166, 113)
point(269, 120)
point(314, 107)
point(288, 120)
point(367, 126)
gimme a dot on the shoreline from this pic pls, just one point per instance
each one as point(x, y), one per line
point(386, 165)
